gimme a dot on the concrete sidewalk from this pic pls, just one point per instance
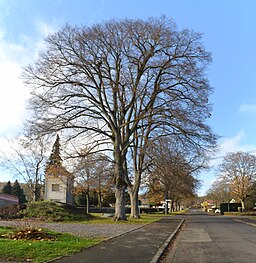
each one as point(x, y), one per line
point(138, 246)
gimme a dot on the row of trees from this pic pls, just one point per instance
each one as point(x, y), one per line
point(167, 175)
point(123, 88)
point(94, 177)
point(28, 162)
point(236, 179)
point(172, 175)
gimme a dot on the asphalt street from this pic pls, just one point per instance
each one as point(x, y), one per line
point(210, 239)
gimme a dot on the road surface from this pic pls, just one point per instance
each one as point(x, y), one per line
point(213, 239)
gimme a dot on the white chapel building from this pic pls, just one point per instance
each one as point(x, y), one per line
point(59, 183)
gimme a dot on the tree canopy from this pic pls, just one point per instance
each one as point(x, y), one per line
point(238, 169)
point(7, 189)
point(25, 159)
point(101, 85)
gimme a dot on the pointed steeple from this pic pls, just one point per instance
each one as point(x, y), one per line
point(55, 158)
point(59, 182)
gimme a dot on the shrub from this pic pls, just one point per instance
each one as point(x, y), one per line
point(9, 212)
point(49, 211)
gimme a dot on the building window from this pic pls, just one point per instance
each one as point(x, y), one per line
point(55, 187)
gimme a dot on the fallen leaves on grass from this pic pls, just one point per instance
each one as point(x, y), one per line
point(31, 234)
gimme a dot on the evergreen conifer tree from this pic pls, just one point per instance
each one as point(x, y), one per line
point(7, 189)
point(18, 191)
point(55, 155)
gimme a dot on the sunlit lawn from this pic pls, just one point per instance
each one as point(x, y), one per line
point(98, 218)
point(144, 218)
point(41, 251)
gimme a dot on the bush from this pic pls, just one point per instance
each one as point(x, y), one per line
point(49, 211)
point(9, 212)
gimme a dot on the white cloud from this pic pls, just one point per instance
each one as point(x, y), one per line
point(13, 57)
point(248, 108)
point(44, 28)
point(13, 96)
point(13, 92)
point(233, 144)
point(226, 145)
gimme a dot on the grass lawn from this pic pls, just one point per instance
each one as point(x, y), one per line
point(145, 219)
point(97, 218)
point(179, 212)
point(41, 251)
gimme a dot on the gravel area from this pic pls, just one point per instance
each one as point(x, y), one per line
point(77, 229)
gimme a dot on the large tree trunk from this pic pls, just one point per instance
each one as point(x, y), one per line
point(120, 185)
point(243, 205)
point(134, 195)
point(120, 202)
point(134, 198)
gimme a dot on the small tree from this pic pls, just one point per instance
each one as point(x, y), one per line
point(18, 191)
point(25, 159)
point(7, 189)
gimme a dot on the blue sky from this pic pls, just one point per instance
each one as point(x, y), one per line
point(229, 33)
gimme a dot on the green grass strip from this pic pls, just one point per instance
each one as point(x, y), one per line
point(41, 251)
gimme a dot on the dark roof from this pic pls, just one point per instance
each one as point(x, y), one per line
point(7, 197)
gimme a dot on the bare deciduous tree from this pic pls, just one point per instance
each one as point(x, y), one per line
point(239, 171)
point(25, 159)
point(93, 172)
point(219, 192)
point(173, 168)
point(100, 83)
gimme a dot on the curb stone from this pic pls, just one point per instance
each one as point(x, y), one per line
point(162, 249)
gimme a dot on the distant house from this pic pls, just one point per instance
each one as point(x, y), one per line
point(6, 199)
point(59, 183)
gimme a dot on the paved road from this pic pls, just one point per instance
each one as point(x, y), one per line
point(210, 239)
